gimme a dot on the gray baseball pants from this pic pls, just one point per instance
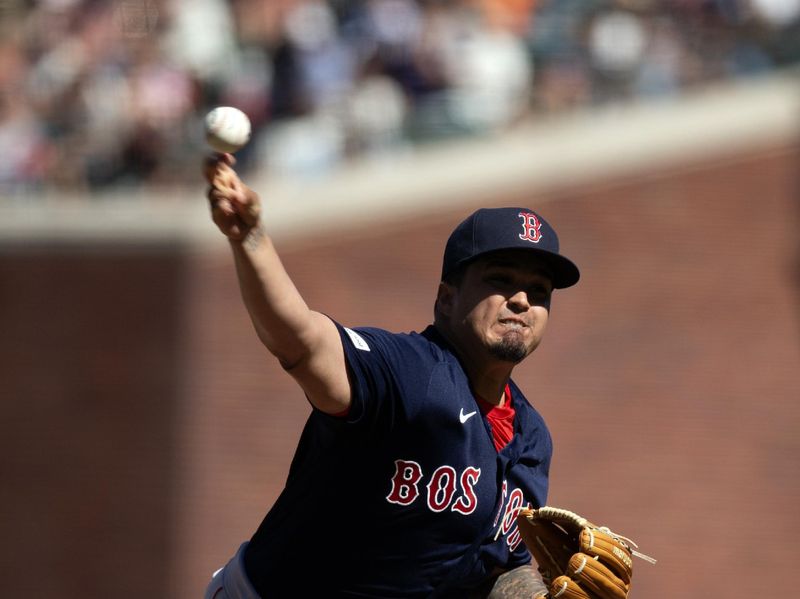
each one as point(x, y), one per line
point(230, 581)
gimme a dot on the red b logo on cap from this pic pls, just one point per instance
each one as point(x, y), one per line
point(531, 227)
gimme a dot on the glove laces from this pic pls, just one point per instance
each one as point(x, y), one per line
point(562, 514)
point(632, 546)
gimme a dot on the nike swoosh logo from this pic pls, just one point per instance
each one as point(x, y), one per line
point(464, 417)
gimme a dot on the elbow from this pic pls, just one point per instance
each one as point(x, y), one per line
point(289, 355)
point(291, 363)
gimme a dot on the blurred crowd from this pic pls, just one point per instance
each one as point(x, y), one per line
point(99, 94)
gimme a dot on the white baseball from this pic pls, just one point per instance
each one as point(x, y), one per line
point(227, 129)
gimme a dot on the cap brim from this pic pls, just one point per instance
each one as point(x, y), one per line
point(563, 270)
point(565, 273)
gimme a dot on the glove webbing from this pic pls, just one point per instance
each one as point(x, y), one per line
point(554, 513)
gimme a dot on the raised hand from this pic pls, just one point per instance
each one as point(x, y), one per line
point(235, 208)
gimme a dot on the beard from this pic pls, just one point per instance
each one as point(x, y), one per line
point(509, 349)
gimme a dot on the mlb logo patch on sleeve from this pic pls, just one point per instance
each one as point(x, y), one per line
point(357, 340)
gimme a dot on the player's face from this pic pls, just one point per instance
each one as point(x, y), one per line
point(501, 307)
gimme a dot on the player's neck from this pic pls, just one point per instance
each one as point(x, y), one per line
point(490, 387)
point(487, 376)
point(488, 379)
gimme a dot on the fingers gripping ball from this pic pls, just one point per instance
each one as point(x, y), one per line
point(227, 129)
point(577, 559)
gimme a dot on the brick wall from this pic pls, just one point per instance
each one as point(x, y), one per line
point(88, 364)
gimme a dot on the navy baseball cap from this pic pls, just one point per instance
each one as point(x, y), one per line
point(492, 229)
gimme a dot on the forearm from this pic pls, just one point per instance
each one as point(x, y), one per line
point(279, 314)
point(523, 582)
point(306, 343)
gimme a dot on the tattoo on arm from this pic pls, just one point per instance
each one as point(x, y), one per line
point(519, 583)
point(253, 238)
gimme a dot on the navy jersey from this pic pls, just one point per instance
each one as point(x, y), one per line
point(406, 496)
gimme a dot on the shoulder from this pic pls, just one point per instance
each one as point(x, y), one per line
point(420, 345)
point(532, 423)
point(395, 372)
point(523, 406)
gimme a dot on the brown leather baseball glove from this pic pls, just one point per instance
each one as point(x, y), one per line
point(578, 559)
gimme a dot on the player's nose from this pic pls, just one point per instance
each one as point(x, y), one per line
point(519, 301)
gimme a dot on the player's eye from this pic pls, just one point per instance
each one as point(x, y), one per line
point(499, 279)
point(539, 293)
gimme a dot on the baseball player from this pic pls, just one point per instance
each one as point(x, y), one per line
point(420, 450)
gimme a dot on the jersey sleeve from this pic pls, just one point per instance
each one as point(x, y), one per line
point(371, 358)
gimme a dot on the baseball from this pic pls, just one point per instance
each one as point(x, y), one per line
point(227, 129)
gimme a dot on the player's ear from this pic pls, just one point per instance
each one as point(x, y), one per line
point(445, 297)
